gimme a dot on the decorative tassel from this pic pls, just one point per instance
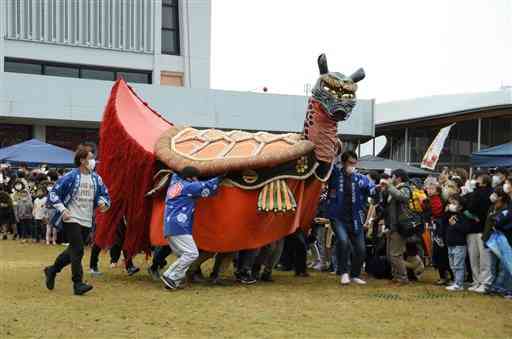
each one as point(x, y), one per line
point(276, 197)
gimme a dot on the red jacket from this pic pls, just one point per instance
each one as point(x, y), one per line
point(436, 204)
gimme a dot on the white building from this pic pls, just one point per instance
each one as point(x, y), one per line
point(59, 58)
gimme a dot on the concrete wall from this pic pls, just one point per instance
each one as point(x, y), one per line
point(80, 102)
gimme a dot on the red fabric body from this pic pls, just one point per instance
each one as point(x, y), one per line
point(230, 221)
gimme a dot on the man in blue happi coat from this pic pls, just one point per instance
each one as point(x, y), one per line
point(348, 198)
point(180, 203)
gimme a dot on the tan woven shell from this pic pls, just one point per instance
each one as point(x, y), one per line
point(215, 152)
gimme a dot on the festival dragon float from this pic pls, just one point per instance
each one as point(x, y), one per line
point(272, 181)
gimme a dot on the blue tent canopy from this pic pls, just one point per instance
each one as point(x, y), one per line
point(497, 156)
point(34, 152)
point(369, 163)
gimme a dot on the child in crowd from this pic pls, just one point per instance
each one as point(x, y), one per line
point(458, 227)
point(40, 214)
point(51, 230)
point(438, 226)
point(6, 213)
point(23, 208)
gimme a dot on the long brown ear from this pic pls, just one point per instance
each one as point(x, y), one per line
point(322, 64)
point(358, 75)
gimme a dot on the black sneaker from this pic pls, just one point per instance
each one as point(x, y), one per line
point(217, 281)
point(50, 278)
point(267, 277)
point(81, 288)
point(132, 270)
point(302, 275)
point(197, 277)
point(256, 275)
point(169, 283)
point(154, 274)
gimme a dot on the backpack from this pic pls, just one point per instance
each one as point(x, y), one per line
point(413, 225)
point(417, 203)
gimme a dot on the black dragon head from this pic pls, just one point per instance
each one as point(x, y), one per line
point(335, 91)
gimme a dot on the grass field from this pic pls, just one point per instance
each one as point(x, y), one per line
point(315, 307)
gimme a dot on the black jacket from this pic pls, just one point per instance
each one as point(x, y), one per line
point(456, 233)
point(478, 204)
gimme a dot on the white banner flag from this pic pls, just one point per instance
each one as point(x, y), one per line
point(431, 157)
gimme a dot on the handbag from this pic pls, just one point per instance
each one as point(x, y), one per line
point(498, 244)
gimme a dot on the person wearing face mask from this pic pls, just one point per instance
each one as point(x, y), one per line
point(40, 213)
point(438, 225)
point(348, 197)
point(7, 216)
point(76, 196)
point(500, 220)
point(23, 207)
point(458, 226)
point(397, 215)
point(477, 205)
point(507, 186)
point(499, 177)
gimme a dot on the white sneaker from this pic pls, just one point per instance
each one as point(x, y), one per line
point(474, 287)
point(345, 279)
point(455, 288)
point(92, 271)
point(481, 289)
point(358, 281)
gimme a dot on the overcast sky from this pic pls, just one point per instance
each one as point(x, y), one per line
point(409, 48)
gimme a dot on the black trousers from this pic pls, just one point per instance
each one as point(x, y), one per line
point(115, 251)
point(440, 258)
point(95, 256)
point(299, 249)
point(74, 253)
point(294, 255)
point(159, 256)
point(246, 260)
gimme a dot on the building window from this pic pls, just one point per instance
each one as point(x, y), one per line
point(496, 131)
point(98, 74)
point(171, 79)
point(61, 71)
point(25, 67)
point(70, 137)
point(137, 77)
point(170, 27)
point(14, 134)
point(76, 71)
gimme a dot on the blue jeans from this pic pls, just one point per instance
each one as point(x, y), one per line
point(457, 257)
point(503, 281)
point(349, 241)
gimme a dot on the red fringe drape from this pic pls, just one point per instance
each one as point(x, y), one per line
point(127, 169)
